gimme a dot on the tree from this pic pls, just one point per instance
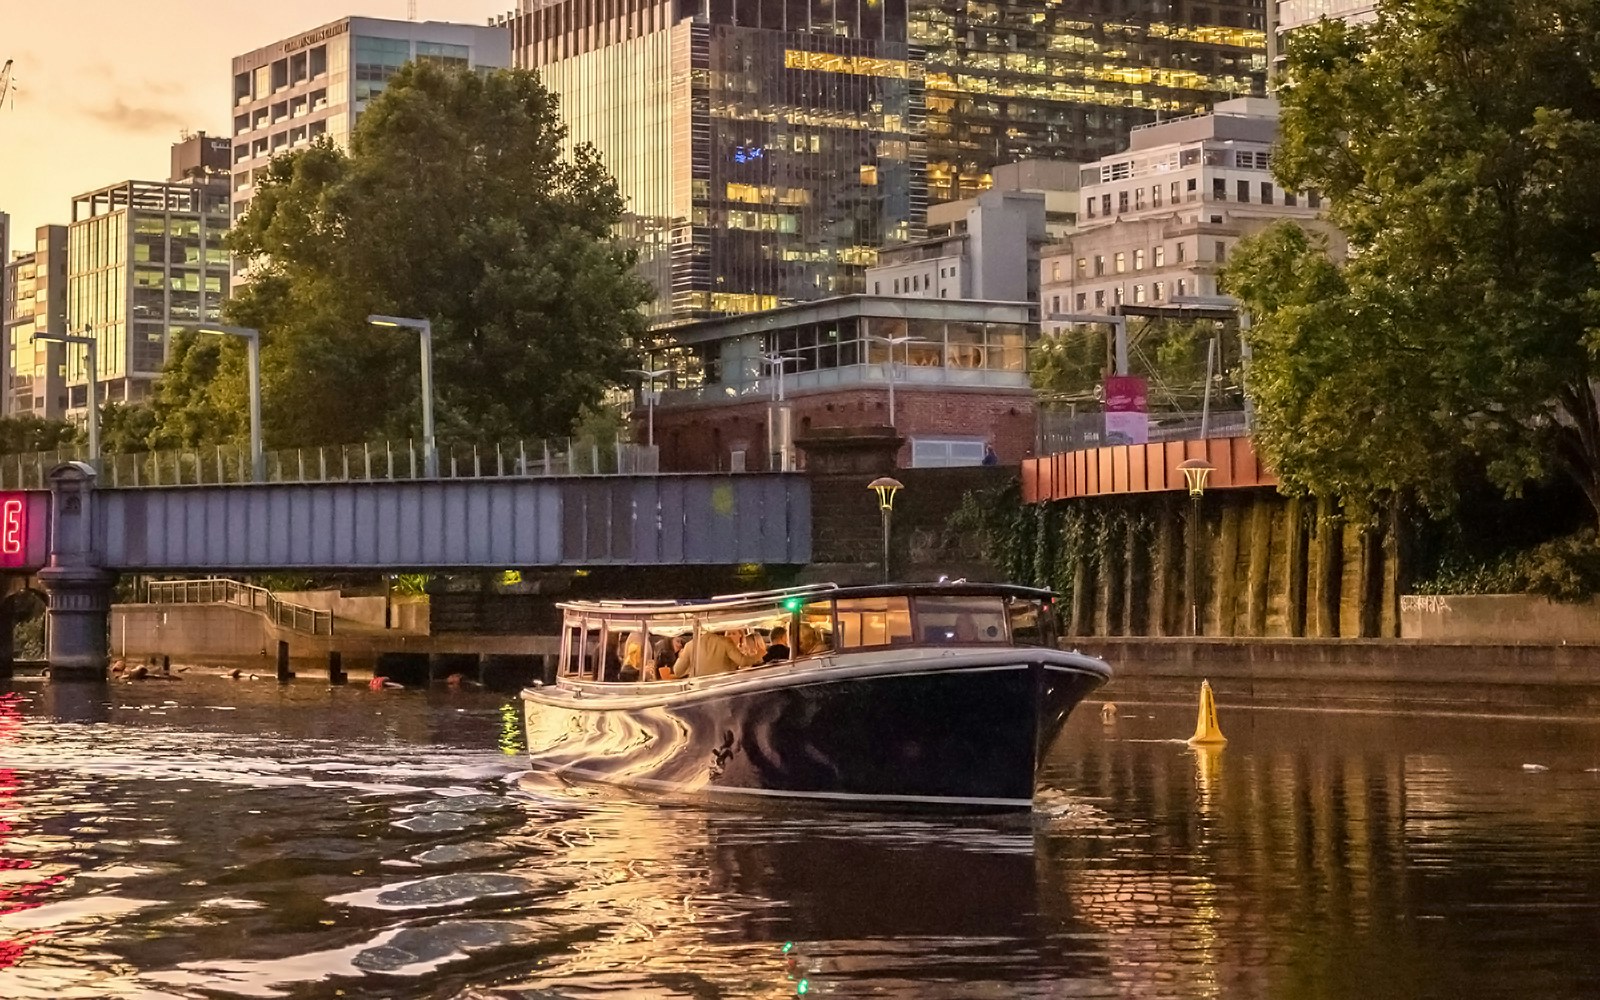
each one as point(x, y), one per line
point(25, 433)
point(456, 203)
point(1455, 140)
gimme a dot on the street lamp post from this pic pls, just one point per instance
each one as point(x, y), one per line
point(86, 340)
point(775, 441)
point(892, 343)
point(252, 339)
point(886, 488)
point(430, 453)
point(1195, 472)
point(650, 400)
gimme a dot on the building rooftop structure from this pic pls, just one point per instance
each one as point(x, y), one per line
point(1286, 16)
point(958, 371)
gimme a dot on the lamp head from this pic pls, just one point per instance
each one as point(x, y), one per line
point(886, 488)
point(1195, 472)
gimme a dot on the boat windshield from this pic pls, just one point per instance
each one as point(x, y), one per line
point(618, 643)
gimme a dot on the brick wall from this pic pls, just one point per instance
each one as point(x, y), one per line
point(701, 438)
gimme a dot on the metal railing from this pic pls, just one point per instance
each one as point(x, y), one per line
point(377, 461)
point(218, 590)
point(1062, 431)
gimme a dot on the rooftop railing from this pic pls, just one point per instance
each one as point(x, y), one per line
point(1060, 431)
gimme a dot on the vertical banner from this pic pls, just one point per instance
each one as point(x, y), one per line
point(1127, 410)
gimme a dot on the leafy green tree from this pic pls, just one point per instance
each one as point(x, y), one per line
point(25, 433)
point(456, 202)
point(1456, 141)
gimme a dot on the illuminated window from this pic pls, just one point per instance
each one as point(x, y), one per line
point(1155, 196)
point(1120, 262)
point(1100, 299)
point(1083, 301)
point(1138, 293)
point(1138, 199)
point(1099, 265)
point(1158, 290)
point(1055, 270)
point(1083, 267)
point(1138, 260)
point(1160, 254)
point(1116, 293)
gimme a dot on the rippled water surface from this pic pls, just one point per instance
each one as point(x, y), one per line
point(209, 838)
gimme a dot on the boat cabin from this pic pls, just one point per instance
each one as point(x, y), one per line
point(643, 641)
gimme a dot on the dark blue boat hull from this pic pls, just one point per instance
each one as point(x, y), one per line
point(964, 733)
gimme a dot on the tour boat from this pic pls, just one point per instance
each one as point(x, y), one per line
point(940, 696)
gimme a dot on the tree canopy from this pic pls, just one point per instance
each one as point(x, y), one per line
point(458, 203)
point(25, 433)
point(1456, 141)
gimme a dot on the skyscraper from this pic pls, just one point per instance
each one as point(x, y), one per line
point(1069, 79)
point(765, 149)
point(318, 82)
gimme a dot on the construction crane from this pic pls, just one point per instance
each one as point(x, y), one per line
point(5, 83)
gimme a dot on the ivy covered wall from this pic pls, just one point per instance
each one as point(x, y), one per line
point(1266, 565)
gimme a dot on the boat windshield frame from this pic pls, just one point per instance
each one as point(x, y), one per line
point(597, 636)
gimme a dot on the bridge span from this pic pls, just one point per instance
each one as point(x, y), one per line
point(91, 535)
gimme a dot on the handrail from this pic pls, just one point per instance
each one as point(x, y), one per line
point(220, 590)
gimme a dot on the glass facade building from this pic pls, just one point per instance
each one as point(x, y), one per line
point(765, 150)
point(144, 259)
point(1011, 80)
point(318, 82)
point(36, 302)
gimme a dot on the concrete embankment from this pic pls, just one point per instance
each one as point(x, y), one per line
point(223, 635)
point(1356, 673)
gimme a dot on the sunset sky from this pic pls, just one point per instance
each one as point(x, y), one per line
point(104, 88)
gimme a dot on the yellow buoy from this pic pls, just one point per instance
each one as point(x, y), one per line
point(1206, 730)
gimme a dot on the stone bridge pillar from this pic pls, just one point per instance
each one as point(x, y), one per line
point(78, 622)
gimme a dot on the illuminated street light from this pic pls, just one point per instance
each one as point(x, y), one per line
point(886, 489)
point(1195, 473)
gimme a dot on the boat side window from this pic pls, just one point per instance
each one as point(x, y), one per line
point(813, 626)
point(873, 621)
point(572, 650)
point(1032, 623)
point(960, 620)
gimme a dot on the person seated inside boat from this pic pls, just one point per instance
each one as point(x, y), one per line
point(667, 655)
point(633, 658)
point(777, 646)
point(710, 653)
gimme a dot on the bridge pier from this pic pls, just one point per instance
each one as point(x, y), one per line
point(77, 626)
point(77, 589)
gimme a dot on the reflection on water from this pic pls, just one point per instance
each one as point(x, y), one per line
point(208, 838)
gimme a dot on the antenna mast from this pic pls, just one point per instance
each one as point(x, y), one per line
point(411, 10)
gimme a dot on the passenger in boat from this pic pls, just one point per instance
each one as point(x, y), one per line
point(777, 646)
point(667, 655)
point(633, 658)
point(710, 653)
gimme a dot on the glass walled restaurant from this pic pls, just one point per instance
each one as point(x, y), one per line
point(847, 342)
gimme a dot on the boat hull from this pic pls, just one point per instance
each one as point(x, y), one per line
point(949, 732)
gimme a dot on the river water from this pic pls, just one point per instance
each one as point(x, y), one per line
point(216, 838)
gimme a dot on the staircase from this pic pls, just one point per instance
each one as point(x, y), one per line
point(217, 590)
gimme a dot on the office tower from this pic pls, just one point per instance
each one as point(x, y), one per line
point(766, 150)
point(1069, 79)
point(36, 302)
point(144, 258)
point(318, 82)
